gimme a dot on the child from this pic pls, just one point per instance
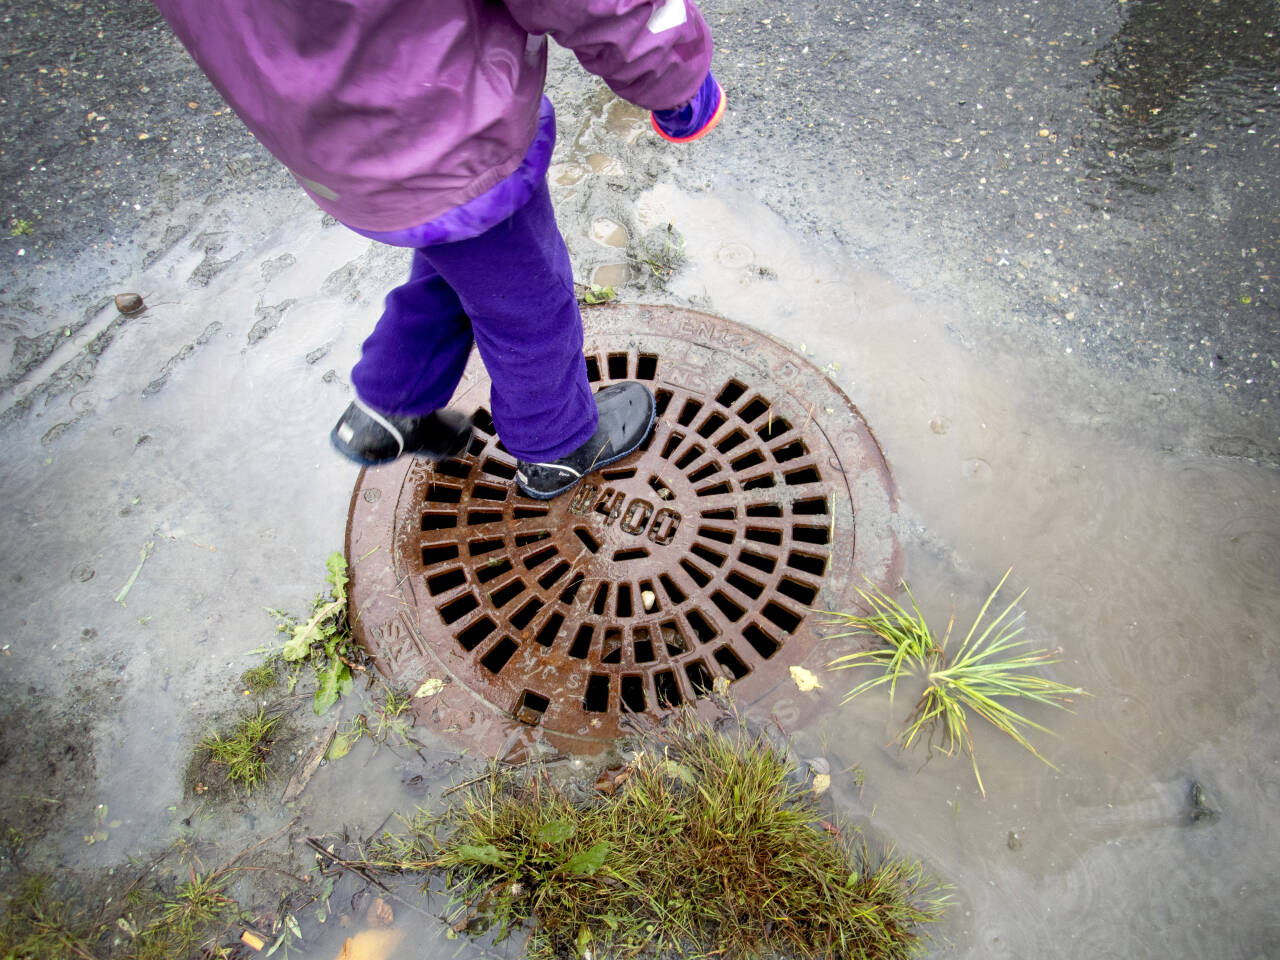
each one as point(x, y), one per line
point(421, 123)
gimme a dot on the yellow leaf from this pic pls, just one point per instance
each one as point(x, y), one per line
point(429, 688)
point(806, 680)
point(371, 945)
point(821, 781)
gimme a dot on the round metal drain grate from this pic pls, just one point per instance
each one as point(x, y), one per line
point(696, 557)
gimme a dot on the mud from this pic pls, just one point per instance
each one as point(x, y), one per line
point(48, 770)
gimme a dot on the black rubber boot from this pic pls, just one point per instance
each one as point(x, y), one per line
point(626, 417)
point(370, 438)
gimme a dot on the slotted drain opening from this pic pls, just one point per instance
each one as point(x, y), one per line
point(699, 556)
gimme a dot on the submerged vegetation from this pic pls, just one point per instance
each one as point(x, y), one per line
point(973, 677)
point(708, 844)
point(196, 919)
point(391, 716)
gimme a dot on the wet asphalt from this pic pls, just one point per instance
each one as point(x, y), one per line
point(1096, 178)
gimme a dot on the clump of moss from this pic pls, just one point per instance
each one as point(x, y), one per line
point(710, 844)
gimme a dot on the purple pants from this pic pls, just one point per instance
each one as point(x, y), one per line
point(510, 291)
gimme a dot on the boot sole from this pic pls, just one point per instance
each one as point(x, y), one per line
point(600, 464)
point(458, 446)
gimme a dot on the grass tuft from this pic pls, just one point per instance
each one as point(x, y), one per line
point(262, 678)
point(709, 845)
point(243, 751)
point(194, 920)
point(973, 677)
point(38, 926)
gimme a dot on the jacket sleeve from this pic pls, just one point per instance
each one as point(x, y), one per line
point(654, 53)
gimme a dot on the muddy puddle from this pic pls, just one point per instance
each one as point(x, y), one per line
point(1150, 567)
point(189, 464)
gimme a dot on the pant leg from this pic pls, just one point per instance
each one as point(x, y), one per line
point(412, 362)
point(515, 283)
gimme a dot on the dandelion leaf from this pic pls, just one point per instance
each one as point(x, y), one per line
point(557, 831)
point(485, 853)
point(586, 862)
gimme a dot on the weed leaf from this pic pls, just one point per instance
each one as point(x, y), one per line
point(485, 853)
point(586, 862)
point(680, 772)
point(337, 567)
point(557, 831)
point(341, 745)
point(334, 682)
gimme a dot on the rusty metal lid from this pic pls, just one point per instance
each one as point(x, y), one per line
point(760, 496)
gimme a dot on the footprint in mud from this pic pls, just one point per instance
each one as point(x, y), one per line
point(276, 265)
point(608, 233)
point(612, 275)
point(567, 174)
point(625, 121)
point(210, 244)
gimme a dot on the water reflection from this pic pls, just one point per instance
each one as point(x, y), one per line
point(1179, 73)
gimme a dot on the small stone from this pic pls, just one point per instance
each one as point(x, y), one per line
point(649, 599)
point(1014, 842)
point(129, 303)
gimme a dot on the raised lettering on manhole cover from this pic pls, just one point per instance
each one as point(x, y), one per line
point(760, 496)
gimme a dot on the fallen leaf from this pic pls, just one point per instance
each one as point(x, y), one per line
point(379, 914)
point(821, 781)
point(806, 680)
point(371, 945)
point(429, 688)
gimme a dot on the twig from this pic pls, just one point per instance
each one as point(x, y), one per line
point(558, 758)
point(298, 782)
point(364, 871)
point(248, 850)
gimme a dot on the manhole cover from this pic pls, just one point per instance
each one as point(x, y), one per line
point(760, 496)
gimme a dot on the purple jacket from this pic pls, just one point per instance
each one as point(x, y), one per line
point(392, 112)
